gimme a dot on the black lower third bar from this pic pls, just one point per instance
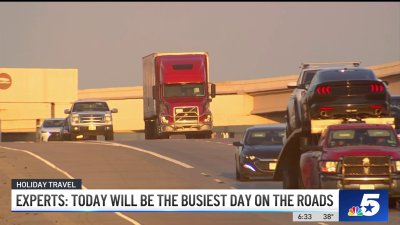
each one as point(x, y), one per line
point(46, 183)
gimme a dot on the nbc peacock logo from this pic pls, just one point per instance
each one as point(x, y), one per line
point(355, 211)
point(363, 205)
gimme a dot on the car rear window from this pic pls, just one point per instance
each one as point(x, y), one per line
point(265, 137)
point(345, 74)
point(53, 123)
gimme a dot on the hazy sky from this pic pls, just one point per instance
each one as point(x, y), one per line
point(106, 41)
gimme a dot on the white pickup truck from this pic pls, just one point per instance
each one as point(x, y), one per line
point(89, 118)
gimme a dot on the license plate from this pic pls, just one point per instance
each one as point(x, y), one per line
point(91, 127)
point(367, 187)
point(272, 166)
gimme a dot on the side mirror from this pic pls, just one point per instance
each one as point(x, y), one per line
point(237, 143)
point(213, 91)
point(292, 85)
point(67, 111)
point(155, 92)
point(114, 110)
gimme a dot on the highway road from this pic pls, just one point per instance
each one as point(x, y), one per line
point(151, 164)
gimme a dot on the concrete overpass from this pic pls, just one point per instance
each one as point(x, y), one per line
point(238, 103)
point(38, 93)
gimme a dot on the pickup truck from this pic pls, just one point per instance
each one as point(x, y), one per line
point(88, 118)
point(353, 156)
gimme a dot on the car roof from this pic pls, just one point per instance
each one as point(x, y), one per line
point(90, 100)
point(359, 125)
point(266, 127)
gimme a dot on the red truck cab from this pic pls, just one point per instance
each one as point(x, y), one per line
point(177, 95)
point(353, 156)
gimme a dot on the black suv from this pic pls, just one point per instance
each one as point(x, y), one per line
point(345, 93)
point(307, 72)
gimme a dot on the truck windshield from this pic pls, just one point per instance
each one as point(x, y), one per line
point(90, 106)
point(179, 90)
point(353, 137)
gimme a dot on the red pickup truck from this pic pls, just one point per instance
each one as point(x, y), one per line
point(353, 156)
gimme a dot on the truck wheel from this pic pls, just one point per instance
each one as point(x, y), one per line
point(204, 135)
point(164, 136)
point(92, 137)
point(154, 134)
point(207, 135)
point(109, 137)
point(290, 180)
point(394, 203)
point(147, 130)
point(72, 137)
point(150, 130)
point(240, 176)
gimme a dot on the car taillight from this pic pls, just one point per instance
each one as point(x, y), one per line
point(376, 106)
point(376, 88)
point(326, 108)
point(323, 90)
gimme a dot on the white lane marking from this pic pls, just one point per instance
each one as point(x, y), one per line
point(232, 187)
point(323, 223)
point(132, 221)
point(218, 181)
point(204, 174)
point(175, 161)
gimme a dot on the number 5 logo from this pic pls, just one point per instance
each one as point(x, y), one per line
point(369, 206)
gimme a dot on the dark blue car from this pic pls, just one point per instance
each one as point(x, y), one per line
point(257, 154)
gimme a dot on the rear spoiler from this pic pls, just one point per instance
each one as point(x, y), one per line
point(319, 64)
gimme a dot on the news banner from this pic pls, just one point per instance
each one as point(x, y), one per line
point(324, 205)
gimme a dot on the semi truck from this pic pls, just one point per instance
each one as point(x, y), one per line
point(177, 95)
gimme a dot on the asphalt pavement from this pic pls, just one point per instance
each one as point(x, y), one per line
point(139, 164)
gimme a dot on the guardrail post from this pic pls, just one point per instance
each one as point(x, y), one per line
point(37, 134)
point(53, 110)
